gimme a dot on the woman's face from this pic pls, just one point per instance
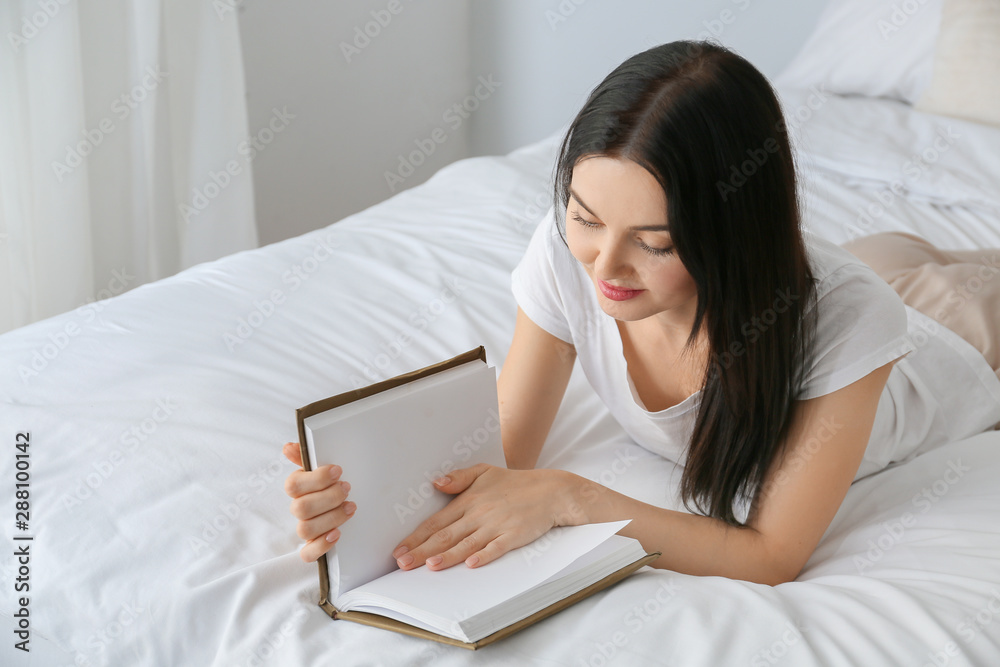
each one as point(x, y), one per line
point(617, 196)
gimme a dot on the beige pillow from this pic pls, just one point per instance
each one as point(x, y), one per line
point(966, 78)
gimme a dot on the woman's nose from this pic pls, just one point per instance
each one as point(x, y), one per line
point(611, 261)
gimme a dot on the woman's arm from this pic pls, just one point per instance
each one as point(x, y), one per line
point(499, 510)
point(530, 389)
point(821, 453)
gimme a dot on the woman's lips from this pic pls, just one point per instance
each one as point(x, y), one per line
point(616, 293)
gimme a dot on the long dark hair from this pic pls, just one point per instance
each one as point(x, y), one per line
point(708, 126)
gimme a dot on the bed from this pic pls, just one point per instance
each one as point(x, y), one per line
point(161, 529)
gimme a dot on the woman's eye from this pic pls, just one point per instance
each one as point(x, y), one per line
point(657, 251)
point(585, 223)
point(660, 252)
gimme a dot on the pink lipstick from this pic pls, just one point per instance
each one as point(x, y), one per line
point(617, 294)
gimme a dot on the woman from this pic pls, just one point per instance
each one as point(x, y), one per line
point(718, 334)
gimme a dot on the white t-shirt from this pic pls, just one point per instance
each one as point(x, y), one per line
point(862, 324)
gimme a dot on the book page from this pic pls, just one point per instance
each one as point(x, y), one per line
point(391, 446)
point(460, 592)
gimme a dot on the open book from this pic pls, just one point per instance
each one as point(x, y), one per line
point(392, 439)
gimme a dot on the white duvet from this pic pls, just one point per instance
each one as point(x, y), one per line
point(161, 529)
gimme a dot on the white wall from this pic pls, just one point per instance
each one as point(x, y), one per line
point(353, 120)
point(550, 54)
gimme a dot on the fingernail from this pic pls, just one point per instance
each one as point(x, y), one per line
point(335, 471)
point(434, 560)
point(350, 508)
point(399, 552)
point(346, 486)
point(441, 481)
point(405, 560)
point(332, 535)
point(472, 561)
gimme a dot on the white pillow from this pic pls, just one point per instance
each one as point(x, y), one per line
point(875, 48)
point(966, 79)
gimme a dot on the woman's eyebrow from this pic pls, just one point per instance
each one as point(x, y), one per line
point(646, 228)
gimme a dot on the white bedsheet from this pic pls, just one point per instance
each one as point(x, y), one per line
point(162, 530)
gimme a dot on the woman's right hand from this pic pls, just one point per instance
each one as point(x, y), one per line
point(318, 504)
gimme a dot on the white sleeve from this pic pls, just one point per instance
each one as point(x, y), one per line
point(537, 283)
point(861, 325)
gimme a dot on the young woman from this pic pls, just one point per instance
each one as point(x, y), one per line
point(718, 334)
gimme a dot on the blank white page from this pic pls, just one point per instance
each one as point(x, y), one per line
point(460, 591)
point(392, 451)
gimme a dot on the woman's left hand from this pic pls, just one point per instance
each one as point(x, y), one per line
point(496, 510)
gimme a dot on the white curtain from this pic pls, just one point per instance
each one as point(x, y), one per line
point(122, 147)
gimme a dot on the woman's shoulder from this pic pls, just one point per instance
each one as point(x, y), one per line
point(861, 323)
point(840, 274)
